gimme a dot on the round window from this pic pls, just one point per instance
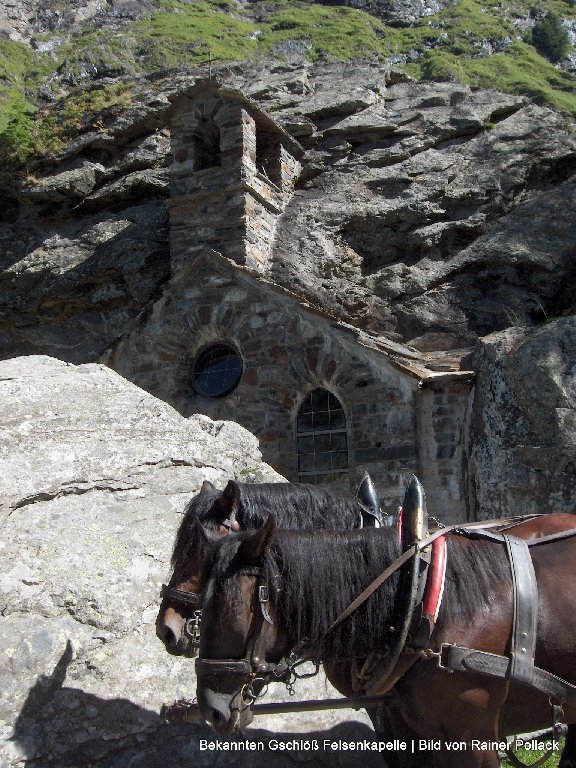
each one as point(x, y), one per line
point(216, 371)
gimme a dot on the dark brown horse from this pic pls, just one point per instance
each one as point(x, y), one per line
point(246, 506)
point(312, 576)
point(241, 506)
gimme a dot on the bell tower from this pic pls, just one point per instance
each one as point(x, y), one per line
point(232, 174)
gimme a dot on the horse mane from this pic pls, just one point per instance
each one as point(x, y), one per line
point(474, 569)
point(294, 505)
point(200, 506)
point(321, 572)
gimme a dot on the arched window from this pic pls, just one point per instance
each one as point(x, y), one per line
point(206, 144)
point(321, 437)
point(268, 156)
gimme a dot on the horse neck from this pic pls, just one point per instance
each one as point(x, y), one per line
point(319, 575)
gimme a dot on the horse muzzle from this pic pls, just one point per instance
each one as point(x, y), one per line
point(226, 713)
point(181, 636)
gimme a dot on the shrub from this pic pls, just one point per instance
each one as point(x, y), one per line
point(550, 37)
point(16, 135)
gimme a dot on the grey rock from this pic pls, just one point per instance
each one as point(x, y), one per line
point(69, 186)
point(397, 197)
point(135, 185)
point(408, 194)
point(85, 276)
point(523, 423)
point(95, 474)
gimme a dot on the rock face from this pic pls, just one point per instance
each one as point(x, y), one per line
point(421, 209)
point(523, 421)
point(424, 213)
point(94, 475)
point(403, 10)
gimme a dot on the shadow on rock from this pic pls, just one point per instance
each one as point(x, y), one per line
point(68, 728)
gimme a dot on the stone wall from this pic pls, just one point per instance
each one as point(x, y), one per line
point(287, 352)
point(231, 176)
point(441, 410)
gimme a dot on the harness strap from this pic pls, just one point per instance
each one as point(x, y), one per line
point(525, 591)
point(461, 659)
point(519, 665)
point(188, 598)
point(414, 549)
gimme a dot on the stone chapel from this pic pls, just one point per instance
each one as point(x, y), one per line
point(326, 400)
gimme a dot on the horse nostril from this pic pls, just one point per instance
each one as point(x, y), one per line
point(167, 636)
point(217, 716)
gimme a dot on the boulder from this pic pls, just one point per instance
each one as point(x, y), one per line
point(522, 442)
point(94, 476)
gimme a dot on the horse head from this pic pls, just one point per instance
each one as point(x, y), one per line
point(178, 620)
point(240, 647)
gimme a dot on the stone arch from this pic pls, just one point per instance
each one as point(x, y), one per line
point(206, 134)
point(322, 439)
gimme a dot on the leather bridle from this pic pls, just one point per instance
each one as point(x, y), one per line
point(253, 667)
point(192, 624)
point(180, 596)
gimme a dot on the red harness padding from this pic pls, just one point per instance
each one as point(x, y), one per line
point(435, 581)
point(436, 577)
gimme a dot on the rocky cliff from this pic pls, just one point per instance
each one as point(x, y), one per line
point(95, 474)
point(522, 441)
point(428, 213)
point(432, 212)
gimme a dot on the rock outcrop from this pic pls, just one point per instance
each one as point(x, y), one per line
point(94, 474)
point(522, 441)
point(422, 209)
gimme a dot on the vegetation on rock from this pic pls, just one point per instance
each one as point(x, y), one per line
point(488, 44)
point(550, 37)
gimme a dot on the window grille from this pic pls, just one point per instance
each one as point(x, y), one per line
point(322, 439)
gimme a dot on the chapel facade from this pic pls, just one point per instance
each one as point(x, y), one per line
point(326, 400)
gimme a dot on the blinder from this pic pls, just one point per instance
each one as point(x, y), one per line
point(192, 625)
point(179, 596)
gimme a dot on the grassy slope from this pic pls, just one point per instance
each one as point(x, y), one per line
point(449, 45)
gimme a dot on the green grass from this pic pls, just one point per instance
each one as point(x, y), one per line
point(181, 34)
point(529, 757)
point(344, 33)
point(188, 33)
point(452, 38)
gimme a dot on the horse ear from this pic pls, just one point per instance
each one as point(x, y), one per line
point(253, 549)
point(206, 536)
point(207, 486)
point(227, 504)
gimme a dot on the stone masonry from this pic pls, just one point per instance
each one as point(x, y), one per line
point(398, 421)
point(232, 174)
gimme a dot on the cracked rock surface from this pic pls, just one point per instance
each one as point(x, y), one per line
point(422, 209)
point(94, 476)
point(522, 447)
